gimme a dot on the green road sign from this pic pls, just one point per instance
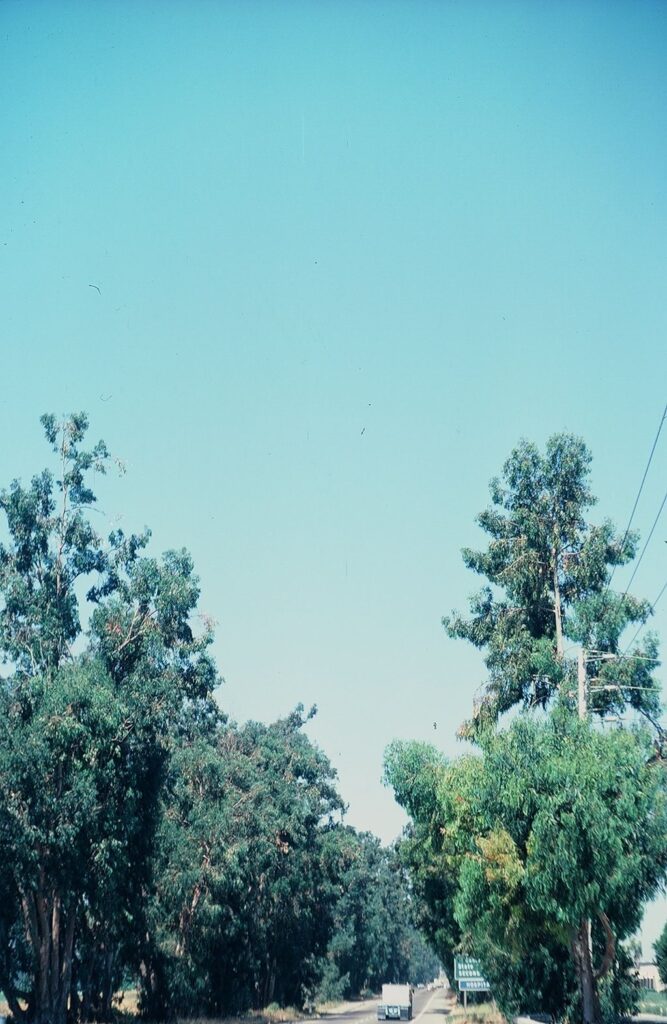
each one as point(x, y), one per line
point(468, 973)
point(474, 985)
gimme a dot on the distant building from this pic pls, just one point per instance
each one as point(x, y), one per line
point(649, 977)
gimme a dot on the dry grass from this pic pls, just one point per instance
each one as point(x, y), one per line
point(127, 1001)
point(270, 1015)
point(326, 1009)
point(477, 1013)
point(127, 1004)
point(278, 1015)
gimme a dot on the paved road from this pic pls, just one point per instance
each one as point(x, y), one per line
point(428, 1007)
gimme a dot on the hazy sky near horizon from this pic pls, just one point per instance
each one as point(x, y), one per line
point(313, 269)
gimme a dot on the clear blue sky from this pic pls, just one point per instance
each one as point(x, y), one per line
point(347, 255)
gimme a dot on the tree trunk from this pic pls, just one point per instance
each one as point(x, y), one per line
point(558, 610)
point(17, 1011)
point(268, 983)
point(98, 981)
point(50, 934)
point(581, 951)
point(109, 986)
point(66, 966)
point(155, 997)
point(610, 947)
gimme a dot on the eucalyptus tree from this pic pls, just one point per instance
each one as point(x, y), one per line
point(295, 892)
point(86, 721)
point(549, 573)
point(552, 823)
point(563, 824)
point(259, 892)
point(413, 770)
point(374, 938)
point(245, 880)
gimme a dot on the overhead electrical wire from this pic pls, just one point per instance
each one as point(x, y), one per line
point(646, 543)
point(639, 560)
point(641, 488)
point(654, 603)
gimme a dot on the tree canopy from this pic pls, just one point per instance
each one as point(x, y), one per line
point(549, 574)
point(143, 836)
point(86, 724)
point(538, 853)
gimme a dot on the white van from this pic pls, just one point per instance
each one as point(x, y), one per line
point(396, 1003)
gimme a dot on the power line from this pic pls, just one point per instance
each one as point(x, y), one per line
point(639, 561)
point(641, 488)
point(664, 588)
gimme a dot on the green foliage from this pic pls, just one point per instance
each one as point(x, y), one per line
point(414, 770)
point(242, 898)
point(141, 833)
point(50, 546)
point(260, 894)
point(619, 990)
point(566, 824)
point(552, 823)
point(549, 574)
point(652, 1002)
point(660, 949)
point(553, 829)
point(374, 939)
point(87, 730)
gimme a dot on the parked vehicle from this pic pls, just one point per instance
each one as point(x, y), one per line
point(396, 1003)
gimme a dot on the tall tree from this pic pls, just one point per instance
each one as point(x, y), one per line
point(568, 825)
point(549, 574)
point(553, 824)
point(245, 883)
point(374, 939)
point(86, 727)
point(414, 770)
point(549, 587)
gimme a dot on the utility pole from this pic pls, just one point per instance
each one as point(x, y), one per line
point(581, 680)
point(584, 939)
